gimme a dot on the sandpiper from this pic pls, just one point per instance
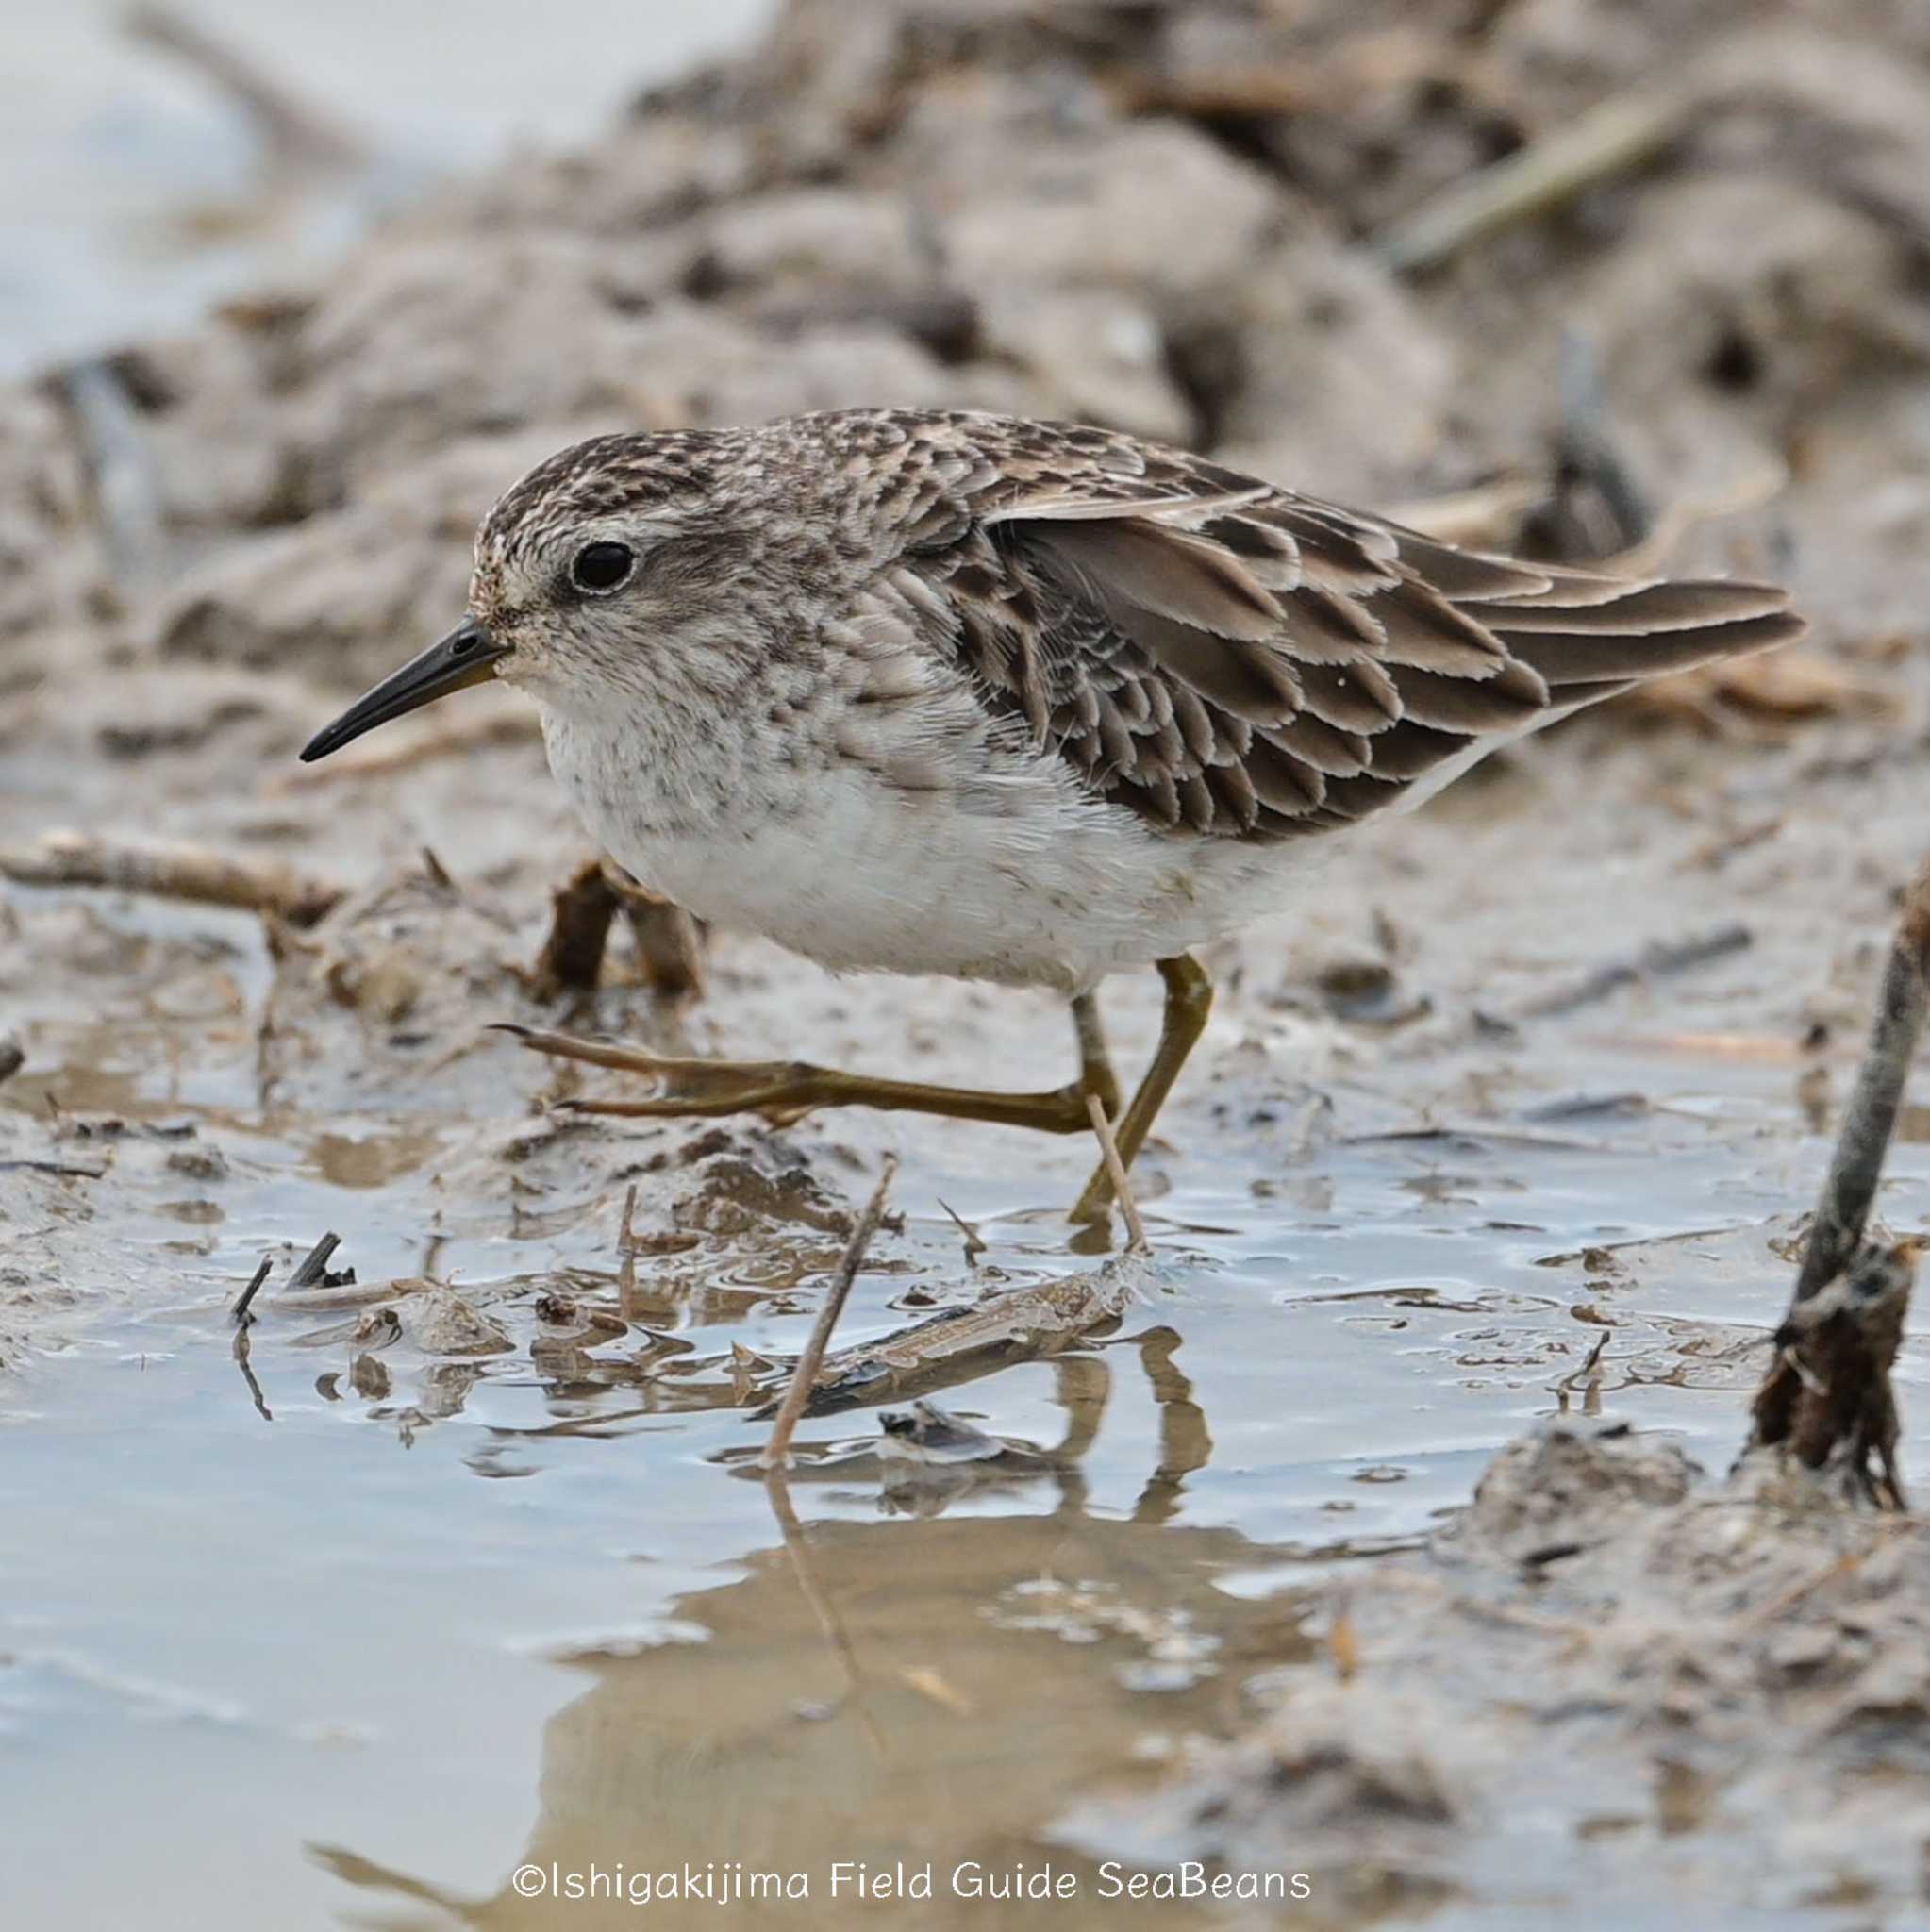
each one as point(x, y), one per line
point(934, 691)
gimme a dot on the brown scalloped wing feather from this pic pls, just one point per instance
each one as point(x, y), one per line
point(1239, 660)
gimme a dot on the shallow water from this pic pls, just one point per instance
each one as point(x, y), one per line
point(352, 1642)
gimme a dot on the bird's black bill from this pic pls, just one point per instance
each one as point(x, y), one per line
point(467, 656)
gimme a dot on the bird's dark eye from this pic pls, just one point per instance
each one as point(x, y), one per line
point(601, 567)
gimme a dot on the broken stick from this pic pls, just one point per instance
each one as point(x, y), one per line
point(239, 1314)
point(804, 1377)
point(1828, 1398)
point(193, 873)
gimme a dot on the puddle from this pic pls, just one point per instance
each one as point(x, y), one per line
point(393, 1626)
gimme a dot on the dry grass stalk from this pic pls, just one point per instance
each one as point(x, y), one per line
point(1618, 135)
point(1116, 1174)
point(805, 1376)
point(193, 873)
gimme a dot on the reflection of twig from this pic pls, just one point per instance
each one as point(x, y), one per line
point(293, 135)
point(1828, 1395)
point(260, 1400)
point(171, 871)
point(1587, 1373)
point(1612, 138)
point(796, 1549)
point(804, 1377)
point(1115, 1171)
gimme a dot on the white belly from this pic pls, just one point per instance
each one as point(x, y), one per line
point(1024, 881)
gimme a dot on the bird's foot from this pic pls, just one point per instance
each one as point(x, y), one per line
point(785, 1090)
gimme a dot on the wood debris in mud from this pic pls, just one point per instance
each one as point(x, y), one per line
point(312, 1269)
point(956, 1345)
point(1827, 1399)
point(192, 872)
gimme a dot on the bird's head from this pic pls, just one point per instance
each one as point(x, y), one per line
point(622, 567)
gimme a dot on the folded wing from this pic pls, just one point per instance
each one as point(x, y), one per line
point(1237, 660)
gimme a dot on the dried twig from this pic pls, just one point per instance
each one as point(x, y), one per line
point(192, 872)
point(626, 1268)
point(314, 1268)
point(974, 1241)
point(1616, 136)
point(1870, 1119)
point(1116, 1174)
point(958, 1345)
point(1828, 1398)
point(804, 1377)
point(239, 1313)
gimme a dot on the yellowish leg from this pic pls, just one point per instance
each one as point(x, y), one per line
point(1189, 1000)
point(786, 1090)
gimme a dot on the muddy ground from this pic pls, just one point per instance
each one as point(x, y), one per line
point(1622, 975)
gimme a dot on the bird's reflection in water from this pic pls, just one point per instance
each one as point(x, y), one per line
point(930, 1686)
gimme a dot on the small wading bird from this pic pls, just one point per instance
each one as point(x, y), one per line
point(920, 691)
